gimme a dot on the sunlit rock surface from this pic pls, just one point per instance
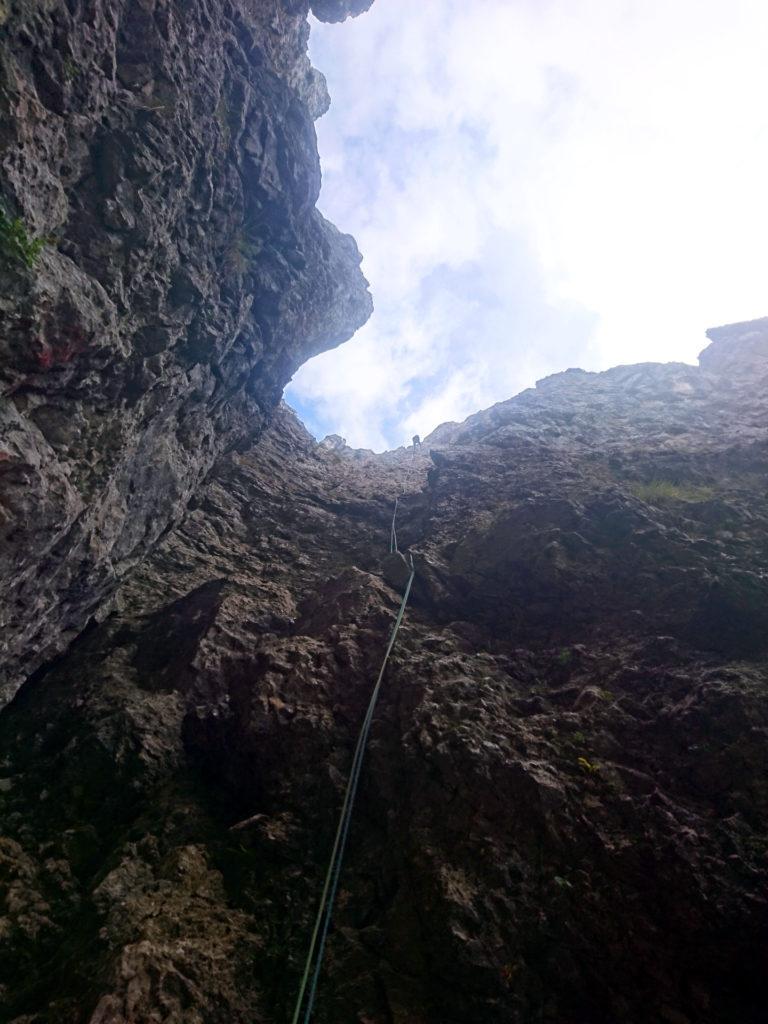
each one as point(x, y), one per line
point(562, 811)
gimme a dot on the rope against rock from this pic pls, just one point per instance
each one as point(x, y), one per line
point(393, 532)
point(328, 897)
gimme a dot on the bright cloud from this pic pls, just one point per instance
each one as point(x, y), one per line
point(535, 185)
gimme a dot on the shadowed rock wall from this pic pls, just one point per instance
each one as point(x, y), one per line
point(164, 150)
point(562, 811)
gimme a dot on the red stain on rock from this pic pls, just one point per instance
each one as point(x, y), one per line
point(62, 351)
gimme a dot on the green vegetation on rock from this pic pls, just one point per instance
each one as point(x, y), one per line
point(662, 491)
point(15, 244)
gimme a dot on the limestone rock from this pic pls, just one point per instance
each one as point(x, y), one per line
point(166, 155)
point(339, 10)
point(562, 807)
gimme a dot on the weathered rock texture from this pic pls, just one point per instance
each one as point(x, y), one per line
point(165, 149)
point(562, 812)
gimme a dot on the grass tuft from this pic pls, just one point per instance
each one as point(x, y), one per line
point(15, 244)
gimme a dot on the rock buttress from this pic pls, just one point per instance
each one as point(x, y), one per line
point(163, 272)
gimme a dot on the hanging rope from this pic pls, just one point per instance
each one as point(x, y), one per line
point(393, 533)
point(314, 960)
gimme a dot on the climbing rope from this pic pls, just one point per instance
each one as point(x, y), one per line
point(314, 960)
point(393, 532)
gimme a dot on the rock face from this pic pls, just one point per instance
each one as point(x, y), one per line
point(562, 811)
point(339, 10)
point(161, 155)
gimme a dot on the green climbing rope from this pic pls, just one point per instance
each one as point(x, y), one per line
point(393, 531)
point(314, 959)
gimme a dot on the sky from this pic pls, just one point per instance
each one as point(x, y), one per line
point(535, 185)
